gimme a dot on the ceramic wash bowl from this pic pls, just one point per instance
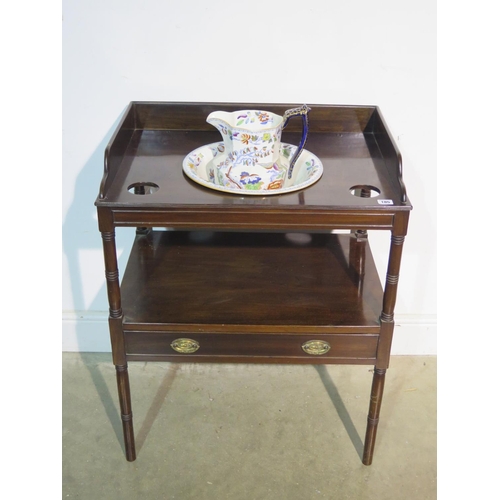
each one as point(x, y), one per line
point(201, 166)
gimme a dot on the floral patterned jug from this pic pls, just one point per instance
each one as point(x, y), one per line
point(252, 156)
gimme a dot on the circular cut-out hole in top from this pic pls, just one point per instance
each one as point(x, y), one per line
point(365, 191)
point(143, 188)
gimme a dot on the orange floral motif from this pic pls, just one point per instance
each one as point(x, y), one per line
point(245, 138)
point(275, 184)
point(263, 117)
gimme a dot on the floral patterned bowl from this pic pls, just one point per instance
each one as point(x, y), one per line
point(201, 166)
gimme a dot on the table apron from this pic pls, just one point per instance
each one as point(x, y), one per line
point(230, 219)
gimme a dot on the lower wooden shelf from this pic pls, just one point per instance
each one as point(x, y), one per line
point(251, 296)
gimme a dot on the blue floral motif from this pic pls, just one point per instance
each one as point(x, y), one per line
point(246, 178)
point(247, 156)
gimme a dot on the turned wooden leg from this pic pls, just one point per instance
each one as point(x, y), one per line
point(126, 411)
point(386, 332)
point(373, 414)
point(117, 340)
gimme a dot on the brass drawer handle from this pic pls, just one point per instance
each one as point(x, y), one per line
point(185, 346)
point(316, 347)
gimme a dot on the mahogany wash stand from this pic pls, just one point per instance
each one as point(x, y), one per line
point(216, 277)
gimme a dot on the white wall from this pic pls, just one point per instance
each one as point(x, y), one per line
point(336, 52)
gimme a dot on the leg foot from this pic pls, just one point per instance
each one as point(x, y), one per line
point(126, 411)
point(373, 414)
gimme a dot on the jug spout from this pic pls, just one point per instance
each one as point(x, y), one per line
point(218, 118)
point(222, 121)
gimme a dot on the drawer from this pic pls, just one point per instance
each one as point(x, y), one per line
point(245, 347)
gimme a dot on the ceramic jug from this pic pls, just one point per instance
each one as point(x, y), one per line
point(252, 156)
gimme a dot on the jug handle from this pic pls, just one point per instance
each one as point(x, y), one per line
point(300, 111)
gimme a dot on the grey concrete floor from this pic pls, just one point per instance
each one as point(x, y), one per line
point(220, 431)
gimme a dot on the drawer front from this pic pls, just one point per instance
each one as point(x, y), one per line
point(251, 347)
